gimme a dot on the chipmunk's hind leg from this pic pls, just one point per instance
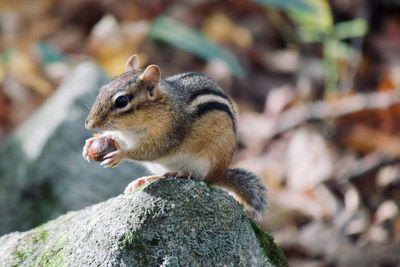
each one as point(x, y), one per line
point(141, 182)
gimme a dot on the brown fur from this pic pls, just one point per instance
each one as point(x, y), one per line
point(212, 137)
point(158, 119)
point(155, 118)
point(132, 64)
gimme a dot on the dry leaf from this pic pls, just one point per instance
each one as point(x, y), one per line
point(112, 44)
point(366, 139)
point(26, 70)
point(221, 29)
point(310, 160)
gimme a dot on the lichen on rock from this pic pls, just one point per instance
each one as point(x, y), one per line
point(170, 222)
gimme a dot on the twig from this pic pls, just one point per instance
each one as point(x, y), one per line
point(367, 165)
point(321, 110)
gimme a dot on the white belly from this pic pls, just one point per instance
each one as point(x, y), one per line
point(197, 167)
point(127, 139)
point(185, 163)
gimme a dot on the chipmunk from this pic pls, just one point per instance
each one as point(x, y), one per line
point(182, 126)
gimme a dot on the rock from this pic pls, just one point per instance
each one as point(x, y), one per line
point(170, 222)
point(42, 172)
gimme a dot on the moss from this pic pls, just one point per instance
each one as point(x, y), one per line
point(35, 252)
point(271, 250)
point(41, 236)
point(53, 257)
point(21, 253)
point(18, 258)
point(133, 242)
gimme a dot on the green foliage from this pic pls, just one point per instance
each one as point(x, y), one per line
point(318, 26)
point(315, 24)
point(350, 29)
point(285, 5)
point(48, 53)
point(175, 33)
point(312, 24)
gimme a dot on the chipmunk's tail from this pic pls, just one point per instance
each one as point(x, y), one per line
point(247, 189)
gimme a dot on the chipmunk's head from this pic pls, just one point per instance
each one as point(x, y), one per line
point(122, 103)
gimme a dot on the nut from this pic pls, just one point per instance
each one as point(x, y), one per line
point(100, 147)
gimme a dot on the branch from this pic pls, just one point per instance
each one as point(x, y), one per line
point(322, 110)
point(367, 165)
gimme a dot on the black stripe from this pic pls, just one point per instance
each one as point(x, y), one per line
point(208, 91)
point(204, 108)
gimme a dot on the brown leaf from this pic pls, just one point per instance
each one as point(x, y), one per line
point(364, 139)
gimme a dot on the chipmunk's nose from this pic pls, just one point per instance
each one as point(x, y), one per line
point(89, 124)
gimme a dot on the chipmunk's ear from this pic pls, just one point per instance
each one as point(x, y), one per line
point(150, 78)
point(151, 75)
point(132, 63)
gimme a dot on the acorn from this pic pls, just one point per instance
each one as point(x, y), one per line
point(100, 147)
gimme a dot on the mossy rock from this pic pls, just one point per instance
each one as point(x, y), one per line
point(171, 222)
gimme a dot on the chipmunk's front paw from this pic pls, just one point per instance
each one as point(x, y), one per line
point(113, 159)
point(140, 182)
point(85, 150)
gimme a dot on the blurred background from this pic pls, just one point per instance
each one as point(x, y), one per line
point(317, 84)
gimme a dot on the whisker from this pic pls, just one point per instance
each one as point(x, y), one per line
point(84, 105)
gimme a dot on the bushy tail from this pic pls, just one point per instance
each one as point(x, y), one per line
point(247, 189)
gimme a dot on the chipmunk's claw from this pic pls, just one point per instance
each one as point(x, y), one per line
point(112, 159)
point(85, 150)
point(178, 175)
point(106, 163)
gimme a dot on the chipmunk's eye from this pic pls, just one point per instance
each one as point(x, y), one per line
point(121, 101)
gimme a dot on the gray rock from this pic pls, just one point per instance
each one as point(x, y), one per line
point(167, 223)
point(42, 173)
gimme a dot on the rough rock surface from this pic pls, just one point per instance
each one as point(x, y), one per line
point(171, 222)
point(42, 173)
